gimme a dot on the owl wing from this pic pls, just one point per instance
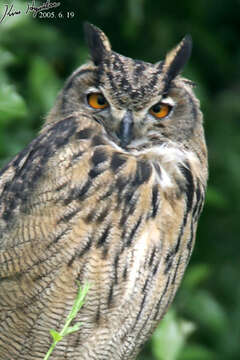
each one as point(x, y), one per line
point(76, 207)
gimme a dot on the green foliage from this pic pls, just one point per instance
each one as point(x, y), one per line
point(43, 84)
point(12, 105)
point(67, 329)
point(170, 338)
point(37, 55)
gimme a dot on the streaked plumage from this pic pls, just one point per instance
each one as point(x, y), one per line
point(109, 196)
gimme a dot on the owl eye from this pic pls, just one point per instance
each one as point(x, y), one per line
point(97, 101)
point(160, 110)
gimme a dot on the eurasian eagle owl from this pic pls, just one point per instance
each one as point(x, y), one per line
point(108, 193)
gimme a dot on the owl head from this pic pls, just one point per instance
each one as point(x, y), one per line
point(138, 104)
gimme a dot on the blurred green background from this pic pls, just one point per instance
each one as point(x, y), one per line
point(36, 56)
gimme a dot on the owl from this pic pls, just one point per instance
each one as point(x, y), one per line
point(109, 193)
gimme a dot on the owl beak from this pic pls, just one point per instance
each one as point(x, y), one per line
point(125, 130)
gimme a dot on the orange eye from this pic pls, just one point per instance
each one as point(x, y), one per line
point(160, 110)
point(97, 101)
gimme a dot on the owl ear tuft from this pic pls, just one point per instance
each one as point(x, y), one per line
point(98, 43)
point(177, 58)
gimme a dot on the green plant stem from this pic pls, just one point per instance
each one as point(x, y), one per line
point(46, 357)
point(67, 329)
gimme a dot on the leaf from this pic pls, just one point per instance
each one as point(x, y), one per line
point(72, 329)
point(12, 105)
point(207, 311)
point(43, 83)
point(55, 335)
point(69, 329)
point(6, 58)
point(169, 338)
point(82, 292)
